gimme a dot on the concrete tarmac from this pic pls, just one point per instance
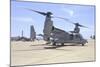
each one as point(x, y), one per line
point(37, 52)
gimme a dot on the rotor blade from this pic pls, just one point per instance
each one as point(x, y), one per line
point(83, 26)
point(80, 25)
point(63, 19)
point(66, 19)
point(42, 13)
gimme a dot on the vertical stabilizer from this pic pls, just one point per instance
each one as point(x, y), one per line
point(32, 33)
point(47, 28)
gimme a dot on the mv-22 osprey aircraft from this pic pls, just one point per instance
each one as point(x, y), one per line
point(55, 35)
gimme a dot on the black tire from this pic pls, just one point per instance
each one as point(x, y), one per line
point(82, 44)
point(54, 44)
point(62, 44)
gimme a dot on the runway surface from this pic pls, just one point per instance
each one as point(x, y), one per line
point(37, 52)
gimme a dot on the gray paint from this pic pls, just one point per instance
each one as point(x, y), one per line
point(32, 33)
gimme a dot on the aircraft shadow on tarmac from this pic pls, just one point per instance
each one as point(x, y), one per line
point(45, 46)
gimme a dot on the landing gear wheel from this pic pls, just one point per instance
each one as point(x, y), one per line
point(82, 44)
point(54, 44)
point(62, 44)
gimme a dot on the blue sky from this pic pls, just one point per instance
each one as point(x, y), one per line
point(21, 18)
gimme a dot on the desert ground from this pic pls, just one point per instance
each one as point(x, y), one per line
point(37, 52)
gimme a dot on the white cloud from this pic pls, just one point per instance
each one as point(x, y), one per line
point(68, 11)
